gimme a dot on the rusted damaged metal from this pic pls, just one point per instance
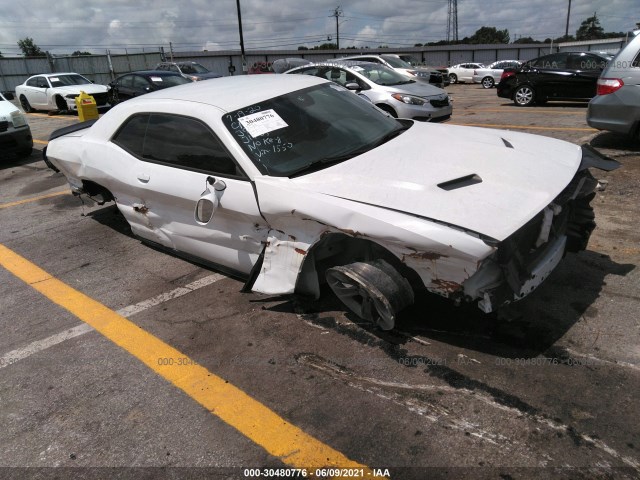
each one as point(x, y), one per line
point(445, 285)
point(140, 208)
point(427, 255)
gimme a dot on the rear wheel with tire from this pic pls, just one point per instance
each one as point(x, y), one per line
point(373, 290)
point(524, 96)
point(488, 82)
point(453, 78)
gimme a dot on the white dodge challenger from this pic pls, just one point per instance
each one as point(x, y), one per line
point(58, 91)
point(292, 181)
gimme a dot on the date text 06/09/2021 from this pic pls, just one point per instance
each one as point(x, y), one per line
point(327, 472)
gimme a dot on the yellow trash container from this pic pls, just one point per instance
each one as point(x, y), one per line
point(87, 108)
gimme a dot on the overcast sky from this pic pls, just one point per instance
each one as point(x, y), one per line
point(63, 26)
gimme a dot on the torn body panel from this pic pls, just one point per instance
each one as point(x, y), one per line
point(477, 269)
point(322, 228)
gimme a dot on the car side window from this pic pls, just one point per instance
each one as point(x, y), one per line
point(556, 61)
point(139, 83)
point(313, 71)
point(32, 82)
point(173, 68)
point(177, 141)
point(41, 82)
point(126, 81)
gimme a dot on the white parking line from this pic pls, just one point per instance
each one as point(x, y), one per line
point(14, 356)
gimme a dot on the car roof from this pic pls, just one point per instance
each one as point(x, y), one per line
point(159, 73)
point(57, 74)
point(342, 62)
point(232, 93)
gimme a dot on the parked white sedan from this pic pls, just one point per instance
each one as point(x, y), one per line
point(463, 72)
point(58, 91)
point(291, 181)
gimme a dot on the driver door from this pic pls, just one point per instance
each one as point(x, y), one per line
point(180, 161)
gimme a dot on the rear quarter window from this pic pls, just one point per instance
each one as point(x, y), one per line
point(176, 141)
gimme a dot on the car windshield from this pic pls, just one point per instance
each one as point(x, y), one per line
point(309, 129)
point(67, 80)
point(193, 68)
point(396, 62)
point(168, 80)
point(410, 60)
point(381, 75)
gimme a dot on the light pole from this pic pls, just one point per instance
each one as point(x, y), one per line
point(337, 13)
point(244, 62)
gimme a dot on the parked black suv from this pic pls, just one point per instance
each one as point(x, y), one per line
point(558, 76)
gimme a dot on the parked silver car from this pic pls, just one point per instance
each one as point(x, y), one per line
point(390, 91)
point(393, 61)
point(490, 75)
point(617, 105)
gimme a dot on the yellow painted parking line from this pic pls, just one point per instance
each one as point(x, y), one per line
point(255, 421)
point(56, 116)
point(33, 199)
point(525, 127)
point(42, 142)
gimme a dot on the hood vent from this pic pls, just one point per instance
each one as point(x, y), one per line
point(507, 143)
point(461, 182)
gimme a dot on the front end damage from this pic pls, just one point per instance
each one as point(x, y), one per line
point(344, 248)
point(527, 257)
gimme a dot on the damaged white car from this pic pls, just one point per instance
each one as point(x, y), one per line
point(292, 181)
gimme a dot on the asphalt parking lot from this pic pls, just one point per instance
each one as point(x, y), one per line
point(120, 361)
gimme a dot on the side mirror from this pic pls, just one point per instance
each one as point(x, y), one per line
point(205, 208)
point(352, 86)
point(209, 201)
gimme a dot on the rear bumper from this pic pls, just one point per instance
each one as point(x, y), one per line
point(614, 112)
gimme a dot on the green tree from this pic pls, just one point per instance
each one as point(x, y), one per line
point(526, 40)
point(29, 48)
point(489, 35)
point(78, 53)
point(326, 46)
point(590, 29)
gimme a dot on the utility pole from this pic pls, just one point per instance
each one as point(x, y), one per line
point(337, 13)
point(566, 30)
point(244, 62)
point(452, 21)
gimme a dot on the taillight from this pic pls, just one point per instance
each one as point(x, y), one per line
point(507, 75)
point(609, 85)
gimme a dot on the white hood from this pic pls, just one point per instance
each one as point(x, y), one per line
point(520, 175)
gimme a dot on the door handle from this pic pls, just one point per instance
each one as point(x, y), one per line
point(143, 178)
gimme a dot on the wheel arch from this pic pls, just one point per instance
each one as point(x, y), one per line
point(337, 248)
